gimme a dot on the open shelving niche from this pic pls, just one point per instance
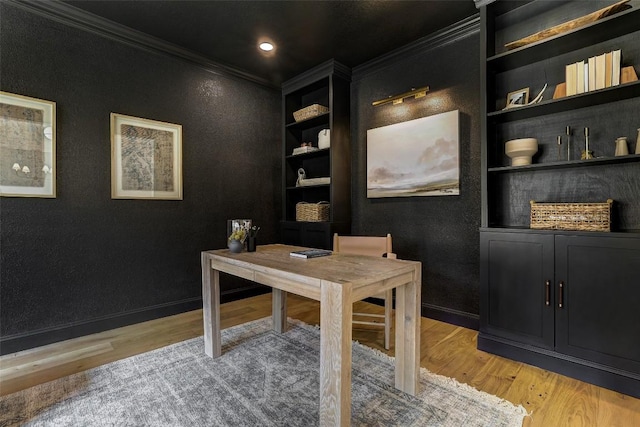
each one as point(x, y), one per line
point(328, 85)
point(504, 71)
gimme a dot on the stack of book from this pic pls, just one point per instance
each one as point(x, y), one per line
point(598, 72)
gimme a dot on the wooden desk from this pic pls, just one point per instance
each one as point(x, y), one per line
point(337, 281)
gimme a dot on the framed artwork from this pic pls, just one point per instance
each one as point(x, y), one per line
point(415, 158)
point(146, 159)
point(237, 224)
point(518, 98)
point(27, 146)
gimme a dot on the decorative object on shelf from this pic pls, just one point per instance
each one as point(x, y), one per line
point(560, 91)
point(622, 149)
point(638, 143)
point(414, 158)
point(571, 216)
point(312, 212)
point(324, 140)
point(305, 147)
point(420, 92)
point(27, 146)
point(539, 96)
point(570, 25)
point(309, 112)
point(559, 142)
point(146, 159)
point(303, 181)
point(252, 237)
point(586, 154)
point(628, 75)
point(518, 98)
point(521, 150)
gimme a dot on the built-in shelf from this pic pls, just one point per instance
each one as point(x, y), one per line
point(309, 155)
point(552, 106)
point(305, 187)
point(618, 233)
point(567, 164)
point(309, 123)
point(604, 29)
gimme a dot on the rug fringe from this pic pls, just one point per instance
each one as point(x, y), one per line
point(427, 375)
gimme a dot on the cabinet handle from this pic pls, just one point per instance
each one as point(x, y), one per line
point(560, 294)
point(547, 292)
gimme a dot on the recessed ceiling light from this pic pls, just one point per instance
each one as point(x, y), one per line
point(266, 46)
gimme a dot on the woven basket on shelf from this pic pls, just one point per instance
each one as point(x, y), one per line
point(312, 212)
point(309, 112)
point(571, 216)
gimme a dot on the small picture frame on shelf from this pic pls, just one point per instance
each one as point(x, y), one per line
point(518, 98)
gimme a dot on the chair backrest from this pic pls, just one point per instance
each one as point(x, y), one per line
point(364, 245)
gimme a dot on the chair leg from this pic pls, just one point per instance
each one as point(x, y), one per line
point(388, 308)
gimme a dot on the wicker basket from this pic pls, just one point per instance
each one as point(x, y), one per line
point(571, 216)
point(309, 112)
point(312, 212)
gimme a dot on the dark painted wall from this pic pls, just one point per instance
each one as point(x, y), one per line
point(441, 232)
point(83, 256)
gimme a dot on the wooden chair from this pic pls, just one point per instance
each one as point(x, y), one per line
point(370, 246)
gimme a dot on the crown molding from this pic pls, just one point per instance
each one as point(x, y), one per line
point(450, 34)
point(480, 3)
point(78, 18)
point(316, 73)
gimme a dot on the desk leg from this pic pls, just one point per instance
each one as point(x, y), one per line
point(279, 310)
point(335, 354)
point(408, 334)
point(211, 309)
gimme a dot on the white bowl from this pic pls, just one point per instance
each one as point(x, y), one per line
point(521, 150)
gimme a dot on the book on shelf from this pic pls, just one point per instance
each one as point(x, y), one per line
point(592, 73)
point(310, 253)
point(601, 65)
point(579, 77)
point(616, 67)
point(571, 78)
point(586, 76)
point(608, 68)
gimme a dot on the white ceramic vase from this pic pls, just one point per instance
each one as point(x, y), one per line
point(324, 139)
point(521, 150)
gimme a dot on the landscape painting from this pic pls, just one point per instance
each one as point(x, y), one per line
point(414, 158)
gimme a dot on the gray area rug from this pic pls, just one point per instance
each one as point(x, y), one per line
point(262, 379)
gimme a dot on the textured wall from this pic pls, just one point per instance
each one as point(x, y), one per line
point(441, 232)
point(82, 255)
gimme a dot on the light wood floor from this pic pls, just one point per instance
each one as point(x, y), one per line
point(553, 400)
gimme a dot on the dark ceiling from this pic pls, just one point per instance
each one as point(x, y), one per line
point(306, 33)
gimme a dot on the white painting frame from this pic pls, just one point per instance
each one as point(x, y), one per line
point(419, 157)
point(27, 146)
point(146, 159)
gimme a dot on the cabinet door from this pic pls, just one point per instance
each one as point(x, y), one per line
point(599, 319)
point(516, 287)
